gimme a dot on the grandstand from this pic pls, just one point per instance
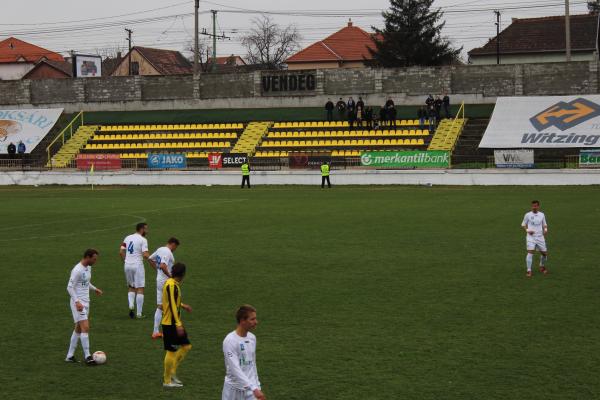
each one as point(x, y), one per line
point(338, 139)
point(261, 140)
point(135, 141)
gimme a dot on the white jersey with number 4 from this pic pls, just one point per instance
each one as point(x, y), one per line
point(240, 362)
point(135, 245)
point(535, 222)
point(163, 255)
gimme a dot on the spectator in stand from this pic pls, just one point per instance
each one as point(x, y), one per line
point(329, 108)
point(360, 103)
point(12, 150)
point(359, 115)
point(446, 101)
point(432, 119)
point(392, 115)
point(382, 116)
point(429, 102)
point(437, 105)
point(351, 105)
point(341, 108)
point(389, 103)
point(351, 118)
point(369, 117)
point(422, 114)
point(21, 148)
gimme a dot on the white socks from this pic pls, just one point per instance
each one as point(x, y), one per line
point(157, 319)
point(85, 343)
point(139, 301)
point(543, 260)
point(73, 344)
point(529, 260)
point(131, 298)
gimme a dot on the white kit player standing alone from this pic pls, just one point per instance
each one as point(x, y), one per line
point(79, 290)
point(134, 250)
point(536, 227)
point(239, 349)
point(162, 261)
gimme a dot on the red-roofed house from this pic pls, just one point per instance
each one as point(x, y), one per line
point(535, 40)
point(347, 48)
point(147, 61)
point(18, 57)
point(231, 60)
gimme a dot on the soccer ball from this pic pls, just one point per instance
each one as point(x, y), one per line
point(99, 357)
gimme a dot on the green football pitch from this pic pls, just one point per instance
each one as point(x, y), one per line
point(362, 292)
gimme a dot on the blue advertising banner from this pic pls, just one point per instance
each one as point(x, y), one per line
point(166, 161)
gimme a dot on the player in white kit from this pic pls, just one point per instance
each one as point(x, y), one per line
point(162, 261)
point(79, 290)
point(133, 251)
point(536, 227)
point(239, 349)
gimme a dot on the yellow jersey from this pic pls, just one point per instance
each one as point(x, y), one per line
point(171, 303)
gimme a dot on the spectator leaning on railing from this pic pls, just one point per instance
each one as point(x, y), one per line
point(422, 114)
point(21, 148)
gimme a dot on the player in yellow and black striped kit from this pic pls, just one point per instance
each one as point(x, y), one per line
point(176, 341)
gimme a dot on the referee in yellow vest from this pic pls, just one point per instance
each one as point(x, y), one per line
point(245, 174)
point(325, 175)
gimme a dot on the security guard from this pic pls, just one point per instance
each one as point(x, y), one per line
point(325, 175)
point(245, 174)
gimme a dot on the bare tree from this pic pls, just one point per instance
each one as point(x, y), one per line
point(109, 52)
point(269, 44)
point(594, 6)
point(204, 56)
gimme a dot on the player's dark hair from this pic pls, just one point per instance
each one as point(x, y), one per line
point(140, 225)
point(89, 253)
point(243, 312)
point(178, 270)
point(536, 202)
point(173, 241)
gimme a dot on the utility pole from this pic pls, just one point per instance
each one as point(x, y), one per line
point(214, 17)
point(568, 30)
point(129, 32)
point(497, 12)
point(196, 44)
point(214, 37)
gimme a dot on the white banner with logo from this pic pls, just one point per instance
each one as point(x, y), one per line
point(513, 158)
point(544, 122)
point(27, 126)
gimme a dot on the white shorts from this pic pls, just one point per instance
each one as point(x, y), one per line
point(135, 275)
point(80, 315)
point(159, 289)
point(536, 243)
point(231, 393)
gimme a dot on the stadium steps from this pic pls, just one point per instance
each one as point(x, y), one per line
point(72, 147)
point(251, 137)
point(447, 134)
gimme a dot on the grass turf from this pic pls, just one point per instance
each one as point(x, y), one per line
point(363, 293)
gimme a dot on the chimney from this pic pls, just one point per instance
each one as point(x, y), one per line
point(350, 23)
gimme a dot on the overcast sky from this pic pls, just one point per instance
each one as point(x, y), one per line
point(90, 26)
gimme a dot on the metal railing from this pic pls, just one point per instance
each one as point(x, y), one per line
point(70, 129)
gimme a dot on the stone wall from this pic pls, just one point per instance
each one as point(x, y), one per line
point(470, 83)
